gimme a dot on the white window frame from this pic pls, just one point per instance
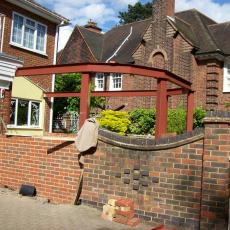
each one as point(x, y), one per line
point(111, 82)
point(97, 85)
point(29, 115)
point(226, 80)
point(23, 33)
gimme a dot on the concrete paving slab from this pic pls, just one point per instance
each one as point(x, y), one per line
point(24, 213)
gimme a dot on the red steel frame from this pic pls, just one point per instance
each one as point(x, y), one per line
point(86, 69)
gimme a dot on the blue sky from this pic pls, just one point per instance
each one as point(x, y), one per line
point(105, 12)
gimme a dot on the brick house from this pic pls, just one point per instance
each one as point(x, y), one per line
point(188, 43)
point(28, 37)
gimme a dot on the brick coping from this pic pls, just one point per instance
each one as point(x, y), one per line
point(144, 143)
point(147, 144)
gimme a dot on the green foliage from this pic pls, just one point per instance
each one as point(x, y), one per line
point(176, 120)
point(136, 12)
point(227, 104)
point(198, 117)
point(142, 121)
point(115, 121)
point(72, 83)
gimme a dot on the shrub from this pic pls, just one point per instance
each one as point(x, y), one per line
point(176, 120)
point(142, 121)
point(198, 117)
point(115, 121)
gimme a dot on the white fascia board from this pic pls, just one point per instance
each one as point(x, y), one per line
point(8, 67)
point(33, 8)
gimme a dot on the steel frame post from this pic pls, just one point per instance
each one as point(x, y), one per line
point(161, 108)
point(84, 98)
point(190, 107)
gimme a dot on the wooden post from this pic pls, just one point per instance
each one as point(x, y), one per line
point(190, 107)
point(161, 108)
point(84, 98)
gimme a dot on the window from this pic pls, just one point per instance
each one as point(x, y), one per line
point(116, 81)
point(28, 34)
point(99, 82)
point(226, 86)
point(25, 113)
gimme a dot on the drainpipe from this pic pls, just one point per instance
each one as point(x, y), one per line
point(126, 39)
point(53, 75)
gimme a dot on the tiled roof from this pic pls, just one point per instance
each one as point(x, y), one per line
point(202, 32)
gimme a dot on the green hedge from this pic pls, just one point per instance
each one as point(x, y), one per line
point(142, 121)
point(115, 121)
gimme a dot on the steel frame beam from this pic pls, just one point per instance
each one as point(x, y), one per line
point(104, 68)
point(87, 69)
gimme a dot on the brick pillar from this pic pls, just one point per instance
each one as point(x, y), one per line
point(215, 188)
point(212, 87)
point(5, 104)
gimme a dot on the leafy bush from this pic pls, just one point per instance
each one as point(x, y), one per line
point(176, 120)
point(115, 121)
point(198, 117)
point(142, 121)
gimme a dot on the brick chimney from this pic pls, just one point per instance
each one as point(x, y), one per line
point(92, 26)
point(162, 9)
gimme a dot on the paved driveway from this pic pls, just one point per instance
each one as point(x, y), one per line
point(24, 213)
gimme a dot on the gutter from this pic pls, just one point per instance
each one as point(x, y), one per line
point(39, 10)
point(126, 39)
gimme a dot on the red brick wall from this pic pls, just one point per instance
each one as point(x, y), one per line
point(30, 58)
point(27, 160)
point(4, 110)
point(76, 50)
point(215, 194)
point(166, 183)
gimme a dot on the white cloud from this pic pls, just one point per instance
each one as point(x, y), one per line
point(64, 33)
point(216, 11)
point(105, 12)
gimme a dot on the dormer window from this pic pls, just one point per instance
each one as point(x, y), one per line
point(28, 34)
point(226, 86)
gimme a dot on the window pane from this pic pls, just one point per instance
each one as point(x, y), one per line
point(100, 81)
point(17, 29)
point(117, 81)
point(23, 107)
point(29, 38)
point(30, 23)
point(12, 112)
point(35, 110)
point(41, 31)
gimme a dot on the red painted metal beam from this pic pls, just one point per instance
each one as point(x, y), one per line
point(84, 98)
point(190, 107)
point(132, 93)
point(161, 108)
point(106, 68)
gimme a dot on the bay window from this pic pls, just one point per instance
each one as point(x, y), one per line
point(25, 113)
point(28, 33)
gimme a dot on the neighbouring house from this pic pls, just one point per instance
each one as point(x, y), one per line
point(188, 43)
point(28, 37)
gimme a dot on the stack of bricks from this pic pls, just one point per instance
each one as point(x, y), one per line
point(120, 211)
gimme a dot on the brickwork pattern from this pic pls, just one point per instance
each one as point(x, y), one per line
point(165, 185)
point(215, 194)
point(5, 110)
point(182, 180)
point(50, 165)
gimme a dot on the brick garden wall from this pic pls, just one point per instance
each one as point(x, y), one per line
point(181, 180)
